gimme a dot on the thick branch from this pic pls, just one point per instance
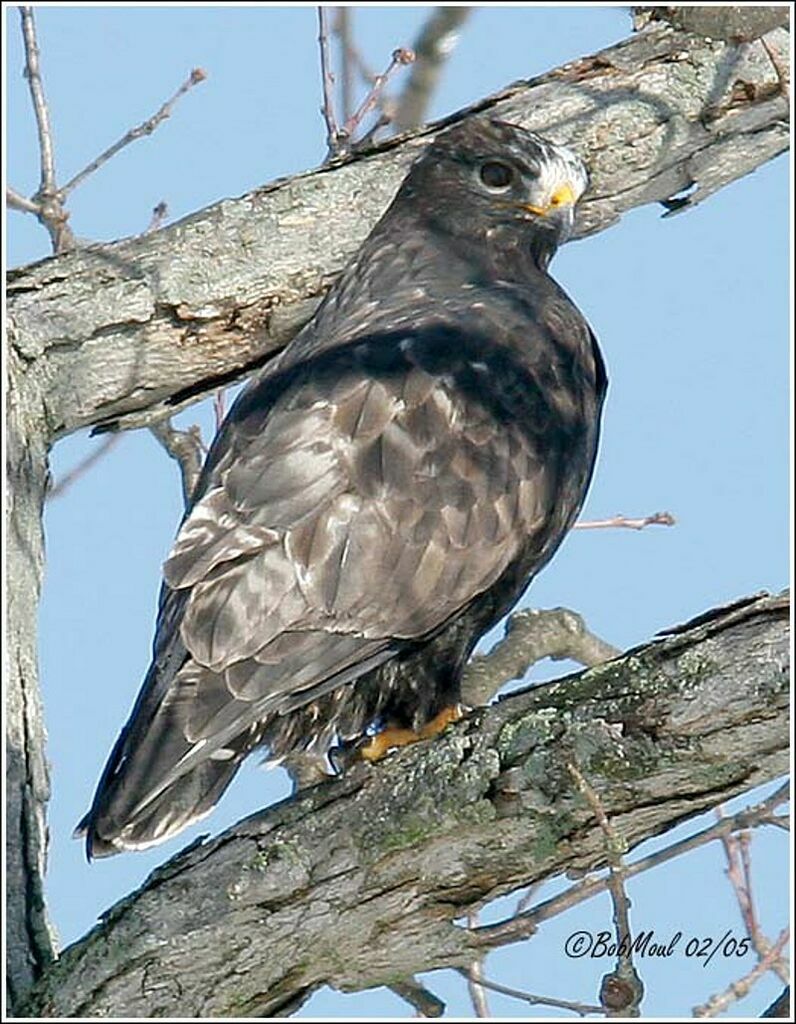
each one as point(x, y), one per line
point(132, 330)
point(436, 41)
point(29, 943)
point(359, 882)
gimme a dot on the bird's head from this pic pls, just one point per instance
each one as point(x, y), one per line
point(485, 175)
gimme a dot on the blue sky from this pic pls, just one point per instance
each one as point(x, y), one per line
point(692, 313)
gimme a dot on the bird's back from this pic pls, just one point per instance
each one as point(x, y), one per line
point(375, 499)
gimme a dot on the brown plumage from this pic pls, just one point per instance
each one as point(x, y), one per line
point(378, 496)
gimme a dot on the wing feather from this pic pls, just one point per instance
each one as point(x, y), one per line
point(371, 504)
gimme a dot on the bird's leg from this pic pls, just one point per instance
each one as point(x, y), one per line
point(387, 739)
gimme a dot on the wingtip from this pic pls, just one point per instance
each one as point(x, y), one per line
point(96, 846)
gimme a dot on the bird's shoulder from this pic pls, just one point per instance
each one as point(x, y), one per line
point(375, 490)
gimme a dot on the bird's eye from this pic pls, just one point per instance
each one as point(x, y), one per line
point(496, 175)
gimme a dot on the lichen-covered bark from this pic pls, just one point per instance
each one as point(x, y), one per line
point(359, 882)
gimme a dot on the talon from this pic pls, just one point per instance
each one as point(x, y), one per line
point(384, 741)
point(441, 721)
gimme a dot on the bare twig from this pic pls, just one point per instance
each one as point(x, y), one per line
point(621, 991)
point(620, 521)
point(47, 201)
point(159, 214)
point(66, 481)
point(16, 201)
point(582, 1009)
point(520, 926)
point(185, 446)
point(340, 139)
point(527, 897)
point(40, 108)
point(432, 47)
point(739, 874)
point(196, 76)
point(400, 58)
point(530, 636)
point(475, 989)
point(741, 988)
point(333, 141)
point(418, 997)
point(343, 31)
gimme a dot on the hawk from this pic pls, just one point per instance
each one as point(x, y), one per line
point(378, 496)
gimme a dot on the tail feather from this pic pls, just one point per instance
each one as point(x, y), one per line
point(109, 829)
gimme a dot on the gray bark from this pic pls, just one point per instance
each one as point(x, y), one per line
point(126, 331)
point(359, 882)
point(737, 24)
point(29, 942)
point(124, 334)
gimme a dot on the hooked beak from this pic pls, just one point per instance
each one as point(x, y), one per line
point(564, 195)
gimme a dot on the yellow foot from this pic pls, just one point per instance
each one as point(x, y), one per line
point(441, 721)
point(389, 738)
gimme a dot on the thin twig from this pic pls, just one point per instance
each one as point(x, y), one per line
point(400, 58)
point(527, 897)
point(623, 522)
point(49, 207)
point(343, 31)
point(582, 1009)
point(185, 447)
point(418, 997)
point(432, 47)
point(66, 481)
point(145, 128)
point(40, 108)
point(621, 991)
point(739, 874)
point(741, 988)
point(333, 146)
point(520, 926)
point(475, 989)
point(16, 201)
point(159, 214)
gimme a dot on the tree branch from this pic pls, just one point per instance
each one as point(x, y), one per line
point(129, 332)
point(196, 76)
point(359, 882)
point(525, 922)
point(185, 447)
point(74, 474)
point(48, 203)
point(530, 636)
point(16, 201)
point(621, 522)
point(739, 989)
point(30, 944)
point(432, 48)
point(146, 325)
point(40, 108)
